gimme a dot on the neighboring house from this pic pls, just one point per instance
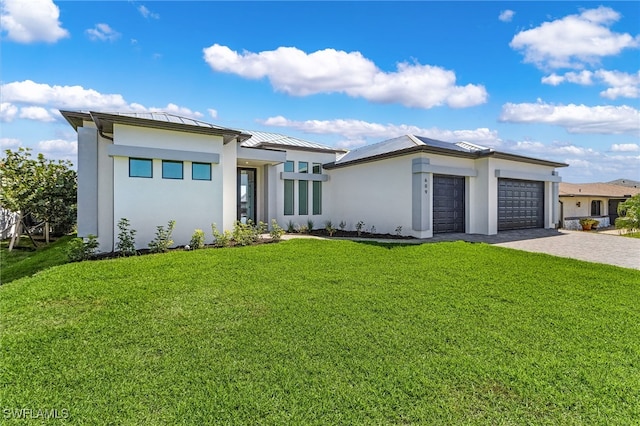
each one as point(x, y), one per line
point(592, 200)
point(154, 167)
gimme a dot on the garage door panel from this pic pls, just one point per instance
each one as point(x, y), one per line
point(520, 204)
point(448, 204)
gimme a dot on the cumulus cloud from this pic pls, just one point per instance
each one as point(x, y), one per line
point(506, 15)
point(31, 21)
point(102, 32)
point(573, 41)
point(146, 13)
point(620, 84)
point(33, 98)
point(625, 147)
point(298, 73)
point(36, 113)
point(212, 113)
point(8, 112)
point(358, 132)
point(9, 143)
point(59, 147)
point(575, 118)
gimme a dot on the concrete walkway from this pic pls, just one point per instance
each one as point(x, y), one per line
point(607, 248)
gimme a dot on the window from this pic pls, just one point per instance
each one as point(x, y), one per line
point(303, 167)
point(596, 208)
point(303, 197)
point(317, 190)
point(288, 196)
point(200, 171)
point(140, 167)
point(288, 166)
point(171, 169)
point(317, 197)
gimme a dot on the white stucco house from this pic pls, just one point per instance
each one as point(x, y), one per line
point(154, 167)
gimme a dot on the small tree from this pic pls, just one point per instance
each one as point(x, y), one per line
point(126, 244)
point(629, 212)
point(43, 188)
point(162, 240)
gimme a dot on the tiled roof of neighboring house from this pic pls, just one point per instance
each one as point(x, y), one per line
point(596, 190)
point(261, 139)
point(625, 182)
point(408, 144)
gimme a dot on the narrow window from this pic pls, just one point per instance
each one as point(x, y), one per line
point(288, 196)
point(596, 208)
point(303, 197)
point(317, 197)
point(171, 169)
point(288, 166)
point(140, 167)
point(200, 171)
point(317, 190)
point(303, 167)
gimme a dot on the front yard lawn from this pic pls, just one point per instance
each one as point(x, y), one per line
point(325, 332)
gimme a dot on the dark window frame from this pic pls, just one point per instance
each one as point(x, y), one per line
point(173, 162)
point(146, 160)
point(193, 174)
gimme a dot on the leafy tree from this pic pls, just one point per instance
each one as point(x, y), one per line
point(45, 189)
point(629, 212)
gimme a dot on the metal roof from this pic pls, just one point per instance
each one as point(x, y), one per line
point(260, 139)
point(408, 144)
point(158, 120)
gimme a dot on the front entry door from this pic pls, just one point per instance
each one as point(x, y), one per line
point(247, 195)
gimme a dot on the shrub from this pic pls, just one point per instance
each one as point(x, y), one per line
point(629, 212)
point(310, 225)
point(342, 225)
point(373, 229)
point(245, 234)
point(328, 226)
point(197, 239)
point(80, 249)
point(126, 245)
point(291, 227)
point(399, 231)
point(276, 231)
point(162, 240)
point(220, 239)
point(359, 227)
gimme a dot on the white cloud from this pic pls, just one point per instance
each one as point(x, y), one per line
point(297, 73)
point(625, 147)
point(8, 112)
point(620, 84)
point(102, 32)
point(146, 13)
point(506, 15)
point(36, 113)
point(573, 41)
point(575, 118)
point(31, 21)
point(9, 143)
point(59, 147)
point(356, 132)
point(31, 95)
point(212, 113)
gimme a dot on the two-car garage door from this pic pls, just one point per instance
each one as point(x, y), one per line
point(520, 204)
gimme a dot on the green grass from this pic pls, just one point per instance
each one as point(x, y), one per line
point(632, 234)
point(326, 332)
point(26, 260)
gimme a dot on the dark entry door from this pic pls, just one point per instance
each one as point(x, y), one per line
point(448, 204)
point(520, 204)
point(247, 195)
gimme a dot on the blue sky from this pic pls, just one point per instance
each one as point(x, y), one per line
point(554, 80)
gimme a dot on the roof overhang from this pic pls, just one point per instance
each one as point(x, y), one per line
point(105, 122)
point(447, 152)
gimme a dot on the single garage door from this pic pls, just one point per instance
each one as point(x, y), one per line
point(520, 204)
point(448, 204)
